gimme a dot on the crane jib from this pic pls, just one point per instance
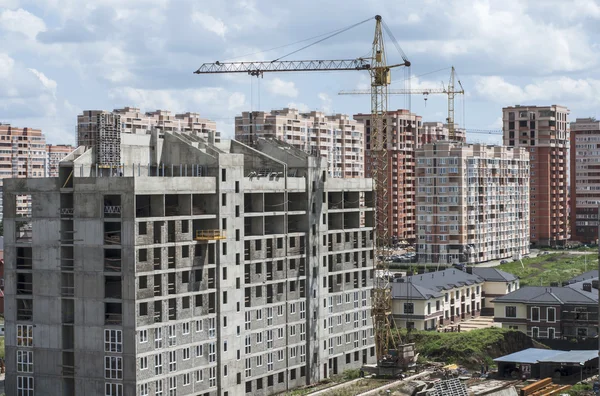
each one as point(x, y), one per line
point(279, 66)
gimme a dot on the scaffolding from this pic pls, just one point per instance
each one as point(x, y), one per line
point(108, 144)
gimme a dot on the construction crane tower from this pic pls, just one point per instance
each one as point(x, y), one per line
point(450, 90)
point(380, 73)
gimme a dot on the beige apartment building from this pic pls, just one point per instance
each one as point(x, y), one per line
point(102, 129)
point(472, 203)
point(544, 132)
point(585, 179)
point(437, 131)
point(22, 154)
point(55, 153)
point(335, 137)
point(403, 129)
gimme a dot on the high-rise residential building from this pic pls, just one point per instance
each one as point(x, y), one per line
point(585, 179)
point(22, 154)
point(337, 137)
point(544, 132)
point(93, 125)
point(219, 269)
point(403, 128)
point(436, 131)
point(55, 153)
point(472, 203)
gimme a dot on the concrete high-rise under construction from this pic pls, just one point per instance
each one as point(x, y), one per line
point(544, 132)
point(197, 268)
point(336, 138)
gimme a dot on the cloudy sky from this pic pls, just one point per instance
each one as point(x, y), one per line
point(59, 57)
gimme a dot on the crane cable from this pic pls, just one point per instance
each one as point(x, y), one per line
point(335, 33)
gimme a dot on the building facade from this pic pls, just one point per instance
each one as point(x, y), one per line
point(472, 203)
point(403, 129)
point(55, 153)
point(200, 273)
point(102, 129)
point(544, 132)
point(22, 155)
point(585, 179)
point(567, 312)
point(336, 138)
point(436, 131)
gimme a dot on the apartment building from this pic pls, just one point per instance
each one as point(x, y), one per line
point(585, 179)
point(93, 126)
point(215, 269)
point(22, 154)
point(568, 312)
point(55, 153)
point(436, 131)
point(429, 300)
point(336, 138)
point(403, 129)
point(544, 132)
point(472, 203)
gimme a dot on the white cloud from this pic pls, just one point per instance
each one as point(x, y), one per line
point(561, 90)
point(280, 87)
point(6, 65)
point(325, 103)
point(21, 21)
point(413, 18)
point(49, 84)
point(210, 23)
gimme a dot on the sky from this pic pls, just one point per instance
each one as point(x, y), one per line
point(60, 57)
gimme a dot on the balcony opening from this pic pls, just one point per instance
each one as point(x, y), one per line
point(112, 206)
point(24, 258)
point(24, 309)
point(149, 206)
point(113, 313)
point(172, 309)
point(112, 259)
point(67, 285)
point(68, 311)
point(157, 311)
point(113, 287)
point(112, 233)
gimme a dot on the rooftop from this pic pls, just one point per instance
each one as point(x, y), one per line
point(549, 295)
point(586, 275)
point(493, 275)
point(530, 355)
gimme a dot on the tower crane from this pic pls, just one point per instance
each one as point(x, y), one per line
point(380, 73)
point(450, 90)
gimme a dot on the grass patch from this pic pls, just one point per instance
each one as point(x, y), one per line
point(358, 387)
point(469, 349)
point(2, 347)
point(580, 390)
point(556, 267)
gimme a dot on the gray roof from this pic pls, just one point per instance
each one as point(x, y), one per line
point(444, 280)
point(412, 291)
point(493, 275)
point(549, 295)
point(572, 357)
point(531, 355)
point(585, 276)
point(593, 294)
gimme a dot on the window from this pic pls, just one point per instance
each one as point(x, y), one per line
point(172, 361)
point(158, 364)
point(157, 338)
point(158, 388)
point(25, 386)
point(172, 335)
point(186, 353)
point(212, 376)
point(144, 390)
point(551, 314)
point(172, 386)
point(409, 308)
point(582, 332)
point(143, 363)
point(551, 333)
point(143, 336)
point(113, 389)
point(535, 332)
point(199, 350)
point(25, 361)
point(199, 375)
point(113, 340)
point(535, 314)
point(25, 336)
point(510, 312)
point(113, 367)
point(186, 379)
point(185, 328)
point(142, 228)
point(212, 352)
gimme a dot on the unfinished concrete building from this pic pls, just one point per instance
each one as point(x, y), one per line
point(215, 269)
point(403, 129)
point(437, 131)
point(55, 153)
point(472, 203)
point(336, 138)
